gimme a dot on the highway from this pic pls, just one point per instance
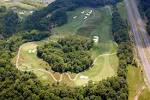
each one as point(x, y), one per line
point(140, 36)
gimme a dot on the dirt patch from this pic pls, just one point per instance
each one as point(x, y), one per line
point(29, 46)
point(66, 80)
point(56, 75)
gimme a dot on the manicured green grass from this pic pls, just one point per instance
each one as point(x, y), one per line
point(97, 24)
point(73, 24)
point(30, 59)
point(43, 77)
point(101, 70)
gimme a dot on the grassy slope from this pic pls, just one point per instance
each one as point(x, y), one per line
point(100, 23)
point(102, 68)
point(29, 61)
point(135, 81)
point(145, 95)
point(23, 6)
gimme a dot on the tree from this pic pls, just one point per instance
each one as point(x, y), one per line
point(67, 54)
point(11, 21)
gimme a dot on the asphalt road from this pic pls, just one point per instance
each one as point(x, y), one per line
point(140, 35)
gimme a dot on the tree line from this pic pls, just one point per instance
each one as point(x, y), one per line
point(67, 54)
point(145, 7)
point(8, 22)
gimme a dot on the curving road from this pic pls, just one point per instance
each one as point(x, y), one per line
point(140, 35)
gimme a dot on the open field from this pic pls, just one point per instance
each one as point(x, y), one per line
point(145, 95)
point(24, 7)
point(20, 4)
point(98, 24)
point(135, 81)
point(137, 87)
point(103, 53)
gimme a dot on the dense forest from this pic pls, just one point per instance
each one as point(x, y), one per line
point(9, 21)
point(67, 54)
point(18, 85)
point(145, 6)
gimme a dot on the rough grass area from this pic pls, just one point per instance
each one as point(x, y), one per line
point(44, 77)
point(17, 5)
point(135, 83)
point(145, 95)
point(103, 53)
point(30, 59)
point(23, 7)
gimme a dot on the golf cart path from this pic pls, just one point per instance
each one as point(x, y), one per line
point(48, 72)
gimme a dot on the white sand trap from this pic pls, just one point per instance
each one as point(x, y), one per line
point(29, 51)
point(85, 17)
point(34, 50)
point(82, 12)
point(74, 17)
point(7, 0)
point(91, 11)
point(96, 39)
point(30, 12)
point(87, 14)
point(84, 77)
point(21, 13)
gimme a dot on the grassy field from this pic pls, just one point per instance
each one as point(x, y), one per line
point(135, 81)
point(20, 4)
point(98, 24)
point(103, 52)
point(145, 95)
point(30, 59)
point(22, 7)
